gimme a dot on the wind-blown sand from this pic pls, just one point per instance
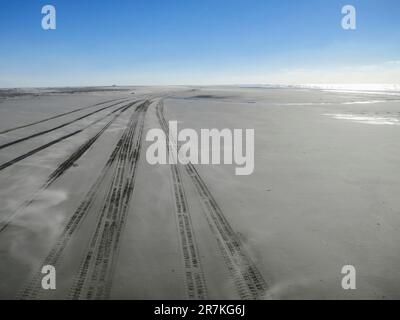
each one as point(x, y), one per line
point(324, 194)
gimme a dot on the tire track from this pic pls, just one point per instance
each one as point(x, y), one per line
point(194, 276)
point(94, 278)
point(248, 280)
point(58, 116)
point(65, 165)
point(84, 147)
point(11, 143)
point(33, 289)
point(53, 142)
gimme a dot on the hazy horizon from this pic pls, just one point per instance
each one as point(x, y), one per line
point(373, 87)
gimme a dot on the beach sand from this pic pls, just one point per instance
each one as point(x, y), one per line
point(323, 194)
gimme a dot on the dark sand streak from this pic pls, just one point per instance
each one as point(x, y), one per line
point(58, 116)
point(8, 144)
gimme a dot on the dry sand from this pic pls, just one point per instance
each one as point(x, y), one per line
point(324, 194)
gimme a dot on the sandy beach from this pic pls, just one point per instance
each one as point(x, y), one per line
point(77, 192)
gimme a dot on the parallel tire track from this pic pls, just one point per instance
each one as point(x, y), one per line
point(194, 275)
point(65, 165)
point(94, 278)
point(53, 142)
point(57, 116)
point(247, 278)
point(85, 146)
point(11, 143)
point(33, 289)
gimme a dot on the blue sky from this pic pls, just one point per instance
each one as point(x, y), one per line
point(198, 42)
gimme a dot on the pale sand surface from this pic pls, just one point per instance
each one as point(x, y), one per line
point(324, 194)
